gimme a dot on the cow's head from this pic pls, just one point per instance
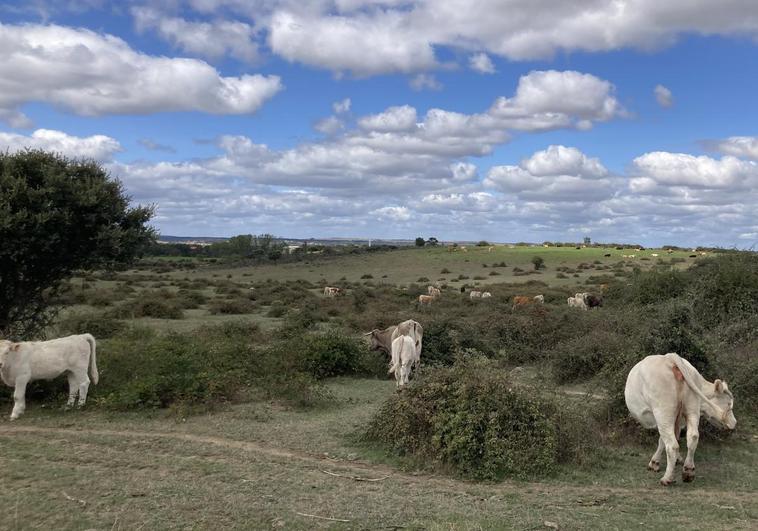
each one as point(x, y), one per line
point(374, 339)
point(722, 397)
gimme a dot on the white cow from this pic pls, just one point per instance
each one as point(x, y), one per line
point(577, 301)
point(404, 357)
point(475, 294)
point(486, 294)
point(539, 298)
point(433, 291)
point(667, 392)
point(21, 363)
point(382, 339)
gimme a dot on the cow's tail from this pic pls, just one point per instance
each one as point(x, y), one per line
point(94, 376)
point(689, 378)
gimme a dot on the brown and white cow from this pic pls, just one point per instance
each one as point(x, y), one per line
point(330, 291)
point(667, 392)
point(433, 291)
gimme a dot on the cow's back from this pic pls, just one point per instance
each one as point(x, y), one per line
point(48, 359)
point(651, 384)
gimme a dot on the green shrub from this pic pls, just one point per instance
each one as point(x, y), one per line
point(445, 271)
point(422, 279)
point(148, 306)
point(207, 366)
point(366, 275)
point(90, 323)
point(232, 307)
point(474, 420)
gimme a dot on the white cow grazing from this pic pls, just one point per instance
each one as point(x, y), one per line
point(21, 363)
point(539, 298)
point(486, 294)
point(475, 294)
point(667, 392)
point(404, 357)
point(577, 301)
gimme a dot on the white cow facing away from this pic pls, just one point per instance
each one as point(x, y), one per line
point(404, 358)
point(540, 299)
point(486, 295)
point(667, 392)
point(382, 339)
point(21, 363)
point(433, 291)
point(475, 294)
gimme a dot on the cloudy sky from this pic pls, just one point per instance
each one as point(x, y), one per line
point(506, 120)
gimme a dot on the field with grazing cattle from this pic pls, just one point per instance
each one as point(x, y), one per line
point(239, 396)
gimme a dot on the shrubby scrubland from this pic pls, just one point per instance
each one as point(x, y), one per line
point(469, 410)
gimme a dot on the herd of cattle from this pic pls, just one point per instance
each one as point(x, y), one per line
point(663, 391)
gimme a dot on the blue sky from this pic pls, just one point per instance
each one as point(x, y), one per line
point(505, 120)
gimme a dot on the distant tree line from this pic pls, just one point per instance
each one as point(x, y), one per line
point(259, 248)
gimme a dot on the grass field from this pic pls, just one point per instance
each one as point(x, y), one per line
point(409, 265)
point(263, 464)
point(256, 466)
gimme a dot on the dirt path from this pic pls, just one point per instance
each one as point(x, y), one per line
point(365, 471)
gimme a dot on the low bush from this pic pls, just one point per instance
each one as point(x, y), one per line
point(147, 306)
point(207, 366)
point(474, 420)
point(90, 323)
point(238, 306)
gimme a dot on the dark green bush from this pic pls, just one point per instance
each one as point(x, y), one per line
point(208, 366)
point(148, 306)
point(238, 306)
point(474, 420)
point(94, 323)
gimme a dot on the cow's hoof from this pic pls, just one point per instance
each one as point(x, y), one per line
point(655, 466)
point(667, 482)
point(688, 475)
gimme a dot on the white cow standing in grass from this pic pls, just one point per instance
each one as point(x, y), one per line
point(21, 363)
point(667, 392)
point(404, 357)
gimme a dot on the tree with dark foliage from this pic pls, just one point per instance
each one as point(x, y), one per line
point(58, 216)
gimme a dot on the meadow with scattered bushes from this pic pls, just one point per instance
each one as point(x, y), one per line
point(504, 393)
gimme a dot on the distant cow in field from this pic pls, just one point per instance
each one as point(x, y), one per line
point(490, 249)
point(425, 300)
point(475, 294)
point(654, 255)
point(486, 295)
point(330, 291)
point(433, 292)
point(607, 255)
point(593, 301)
point(668, 393)
point(577, 302)
point(522, 300)
point(21, 363)
point(540, 299)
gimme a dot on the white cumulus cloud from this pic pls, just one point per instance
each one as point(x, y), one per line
point(93, 74)
point(97, 147)
point(481, 62)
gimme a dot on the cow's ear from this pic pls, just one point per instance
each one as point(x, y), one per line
point(718, 386)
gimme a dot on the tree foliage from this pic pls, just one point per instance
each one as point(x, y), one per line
point(57, 216)
point(420, 242)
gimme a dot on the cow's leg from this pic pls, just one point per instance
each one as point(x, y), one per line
point(73, 389)
point(83, 389)
point(672, 450)
point(655, 461)
point(405, 371)
point(19, 397)
point(688, 471)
